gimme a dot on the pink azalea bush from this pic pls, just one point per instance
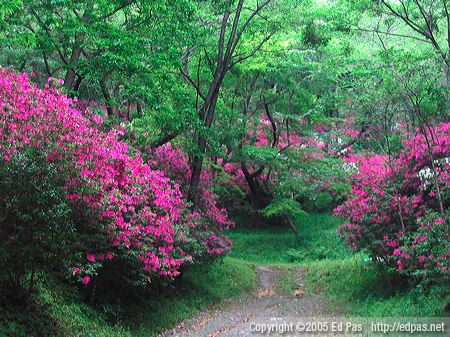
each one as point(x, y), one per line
point(398, 210)
point(175, 164)
point(132, 210)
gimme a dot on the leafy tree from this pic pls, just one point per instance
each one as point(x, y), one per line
point(122, 54)
point(235, 20)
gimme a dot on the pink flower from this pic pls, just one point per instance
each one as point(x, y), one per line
point(86, 280)
point(97, 119)
point(90, 257)
point(141, 206)
point(421, 259)
point(396, 252)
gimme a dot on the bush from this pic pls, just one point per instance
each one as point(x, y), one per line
point(123, 208)
point(35, 218)
point(399, 208)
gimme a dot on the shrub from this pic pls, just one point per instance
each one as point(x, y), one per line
point(175, 164)
point(124, 208)
point(35, 218)
point(398, 211)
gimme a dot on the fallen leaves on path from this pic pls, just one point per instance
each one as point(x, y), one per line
point(265, 293)
point(299, 293)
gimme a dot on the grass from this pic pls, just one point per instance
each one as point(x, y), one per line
point(354, 288)
point(279, 246)
point(349, 284)
point(60, 309)
point(287, 283)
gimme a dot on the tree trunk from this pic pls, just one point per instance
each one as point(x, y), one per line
point(258, 198)
point(197, 163)
point(206, 114)
point(292, 226)
point(69, 79)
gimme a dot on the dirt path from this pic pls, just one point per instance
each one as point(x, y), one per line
point(234, 317)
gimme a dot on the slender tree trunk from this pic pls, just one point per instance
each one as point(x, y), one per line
point(255, 191)
point(197, 163)
point(69, 79)
point(107, 96)
point(206, 114)
point(292, 226)
point(224, 63)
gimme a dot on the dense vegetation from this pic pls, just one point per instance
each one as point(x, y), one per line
point(143, 141)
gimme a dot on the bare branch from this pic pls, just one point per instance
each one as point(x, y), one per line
point(253, 52)
point(258, 9)
point(405, 18)
point(164, 140)
point(234, 36)
point(192, 82)
point(392, 34)
point(223, 29)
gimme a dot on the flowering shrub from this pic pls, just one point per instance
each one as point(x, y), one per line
point(124, 208)
point(398, 211)
point(174, 163)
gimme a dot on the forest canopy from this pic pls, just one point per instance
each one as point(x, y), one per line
point(135, 134)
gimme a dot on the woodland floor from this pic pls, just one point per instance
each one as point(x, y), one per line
point(271, 299)
point(270, 274)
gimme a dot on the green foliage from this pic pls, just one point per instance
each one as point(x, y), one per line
point(36, 230)
point(286, 282)
point(354, 287)
point(122, 54)
point(436, 245)
point(60, 311)
point(281, 207)
point(321, 185)
point(318, 240)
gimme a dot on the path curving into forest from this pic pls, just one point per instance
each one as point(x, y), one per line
point(234, 317)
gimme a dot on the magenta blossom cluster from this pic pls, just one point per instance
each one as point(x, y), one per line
point(175, 165)
point(398, 210)
point(139, 212)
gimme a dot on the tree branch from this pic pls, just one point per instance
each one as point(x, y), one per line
point(192, 82)
point(247, 22)
point(164, 140)
point(392, 34)
point(253, 52)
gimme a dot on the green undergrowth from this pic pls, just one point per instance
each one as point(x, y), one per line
point(354, 287)
point(286, 281)
point(349, 282)
point(278, 245)
point(60, 310)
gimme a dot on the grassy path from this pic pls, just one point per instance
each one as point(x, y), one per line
point(276, 295)
point(291, 274)
point(349, 282)
point(219, 299)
